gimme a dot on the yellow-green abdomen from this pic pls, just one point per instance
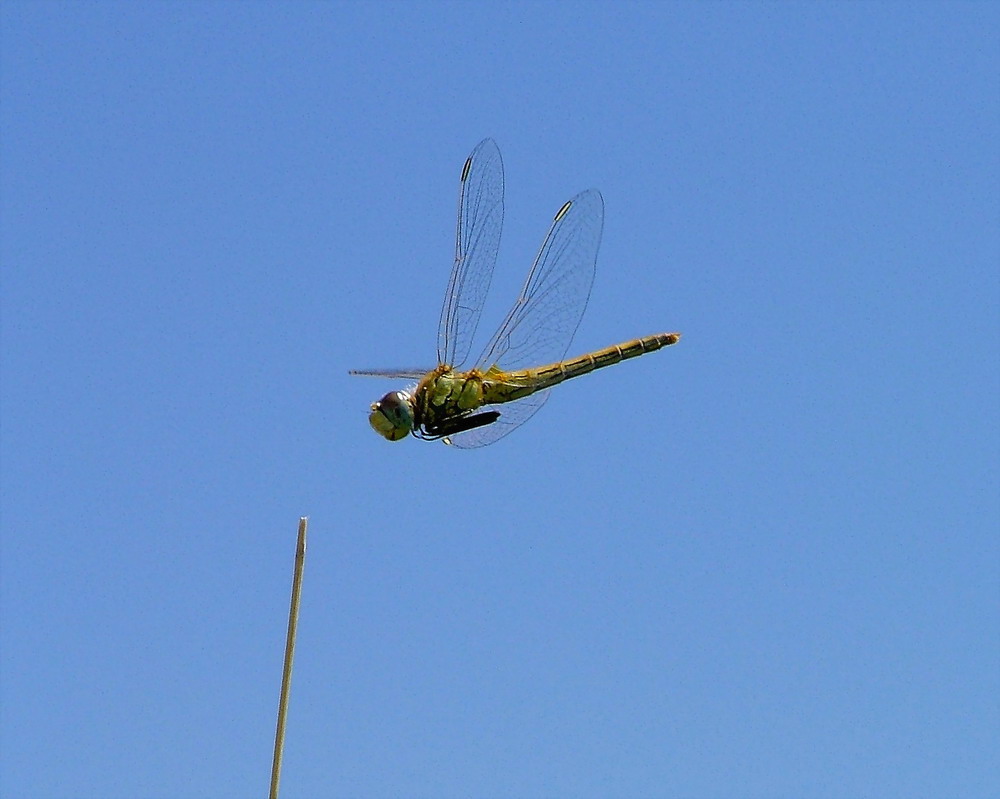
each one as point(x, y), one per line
point(506, 386)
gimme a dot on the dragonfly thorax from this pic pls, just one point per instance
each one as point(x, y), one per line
point(392, 417)
point(444, 393)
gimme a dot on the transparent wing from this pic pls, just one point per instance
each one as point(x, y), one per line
point(540, 327)
point(512, 415)
point(408, 373)
point(477, 241)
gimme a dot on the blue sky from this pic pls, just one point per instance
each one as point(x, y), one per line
point(764, 562)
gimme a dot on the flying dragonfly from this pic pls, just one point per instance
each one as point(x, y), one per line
point(479, 404)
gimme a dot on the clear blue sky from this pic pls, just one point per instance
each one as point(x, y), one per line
point(762, 563)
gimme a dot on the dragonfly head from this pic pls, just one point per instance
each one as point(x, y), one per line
point(392, 416)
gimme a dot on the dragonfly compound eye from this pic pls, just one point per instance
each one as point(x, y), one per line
point(392, 416)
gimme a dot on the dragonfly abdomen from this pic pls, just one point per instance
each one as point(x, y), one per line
point(547, 376)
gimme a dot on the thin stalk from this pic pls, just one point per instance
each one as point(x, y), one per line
point(286, 675)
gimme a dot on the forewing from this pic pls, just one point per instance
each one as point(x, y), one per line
point(540, 327)
point(477, 241)
point(408, 373)
point(512, 415)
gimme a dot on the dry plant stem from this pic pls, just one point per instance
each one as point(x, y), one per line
point(286, 675)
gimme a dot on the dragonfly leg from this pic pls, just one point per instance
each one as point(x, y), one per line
point(460, 424)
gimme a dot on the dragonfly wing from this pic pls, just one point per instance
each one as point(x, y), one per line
point(408, 373)
point(540, 327)
point(477, 241)
point(512, 415)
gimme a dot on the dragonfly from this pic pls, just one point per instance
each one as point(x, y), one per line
point(473, 404)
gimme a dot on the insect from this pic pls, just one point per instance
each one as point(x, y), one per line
point(511, 380)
